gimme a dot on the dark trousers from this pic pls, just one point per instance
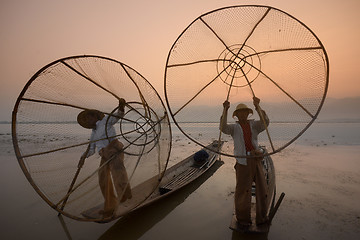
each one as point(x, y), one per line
point(245, 176)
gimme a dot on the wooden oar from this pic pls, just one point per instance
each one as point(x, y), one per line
point(63, 224)
point(277, 205)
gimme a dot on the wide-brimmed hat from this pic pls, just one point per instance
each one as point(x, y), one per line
point(81, 118)
point(242, 106)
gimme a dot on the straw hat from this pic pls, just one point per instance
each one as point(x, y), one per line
point(81, 118)
point(242, 106)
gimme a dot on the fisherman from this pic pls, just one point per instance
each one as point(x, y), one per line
point(248, 169)
point(113, 174)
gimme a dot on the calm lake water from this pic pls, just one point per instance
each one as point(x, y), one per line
point(203, 210)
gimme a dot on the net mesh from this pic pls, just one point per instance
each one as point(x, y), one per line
point(239, 52)
point(49, 142)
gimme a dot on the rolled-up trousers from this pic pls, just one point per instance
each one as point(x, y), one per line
point(245, 176)
point(113, 175)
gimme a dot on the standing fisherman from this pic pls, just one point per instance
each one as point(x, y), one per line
point(113, 174)
point(248, 170)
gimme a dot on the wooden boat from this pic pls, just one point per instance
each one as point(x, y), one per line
point(183, 173)
point(175, 178)
point(269, 175)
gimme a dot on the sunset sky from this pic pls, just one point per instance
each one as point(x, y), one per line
point(141, 33)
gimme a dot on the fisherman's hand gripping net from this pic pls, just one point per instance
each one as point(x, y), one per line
point(235, 54)
point(49, 143)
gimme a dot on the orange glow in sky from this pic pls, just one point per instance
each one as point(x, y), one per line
point(140, 34)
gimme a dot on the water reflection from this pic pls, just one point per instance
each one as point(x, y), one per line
point(136, 223)
point(248, 236)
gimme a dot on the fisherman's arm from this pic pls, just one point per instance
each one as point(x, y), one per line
point(89, 151)
point(262, 113)
point(224, 127)
point(119, 114)
point(90, 148)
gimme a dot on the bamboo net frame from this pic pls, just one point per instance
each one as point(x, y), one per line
point(239, 52)
point(48, 142)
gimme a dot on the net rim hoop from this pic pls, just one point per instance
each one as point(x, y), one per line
point(18, 154)
point(326, 61)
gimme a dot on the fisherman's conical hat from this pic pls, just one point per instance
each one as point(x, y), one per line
point(81, 118)
point(242, 106)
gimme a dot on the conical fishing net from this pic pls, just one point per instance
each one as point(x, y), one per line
point(235, 54)
point(49, 142)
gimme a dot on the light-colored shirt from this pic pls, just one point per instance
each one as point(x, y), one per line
point(98, 136)
point(236, 133)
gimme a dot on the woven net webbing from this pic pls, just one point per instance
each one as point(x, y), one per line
point(49, 142)
point(240, 52)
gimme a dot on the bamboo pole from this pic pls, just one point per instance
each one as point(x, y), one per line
point(80, 164)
